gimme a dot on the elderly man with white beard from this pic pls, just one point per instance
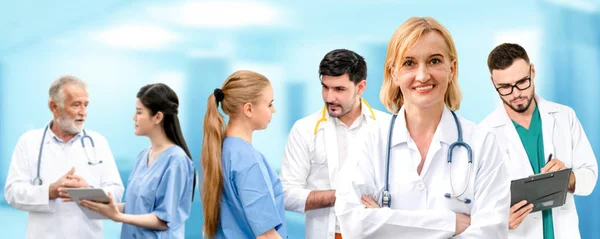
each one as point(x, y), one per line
point(61, 155)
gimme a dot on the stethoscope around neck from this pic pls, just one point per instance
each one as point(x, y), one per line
point(38, 180)
point(387, 198)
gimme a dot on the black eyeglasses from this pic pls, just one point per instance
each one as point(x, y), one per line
point(521, 84)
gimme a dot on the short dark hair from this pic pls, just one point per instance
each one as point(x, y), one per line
point(342, 61)
point(504, 55)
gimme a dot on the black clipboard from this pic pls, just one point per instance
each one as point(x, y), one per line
point(544, 191)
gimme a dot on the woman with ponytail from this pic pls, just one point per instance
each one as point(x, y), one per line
point(241, 194)
point(158, 198)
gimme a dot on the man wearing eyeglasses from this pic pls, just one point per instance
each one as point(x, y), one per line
point(538, 136)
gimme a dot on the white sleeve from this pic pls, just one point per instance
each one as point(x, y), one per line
point(19, 190)
point(491, 200)
point(295, 168)
point(584, 165)
point(111, 179)
point(356, 221)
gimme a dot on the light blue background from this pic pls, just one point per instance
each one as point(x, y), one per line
point(118, 46)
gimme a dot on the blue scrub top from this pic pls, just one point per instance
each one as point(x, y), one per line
point(164, 188)
point(252, 199)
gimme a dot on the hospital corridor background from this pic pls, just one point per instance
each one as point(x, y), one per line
point(117, 46)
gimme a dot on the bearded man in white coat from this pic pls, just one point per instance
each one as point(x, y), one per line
point(61, 155)
point(538, 136)
point(317, 145)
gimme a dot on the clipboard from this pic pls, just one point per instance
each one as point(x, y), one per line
point(92, 194)
point(544, 191)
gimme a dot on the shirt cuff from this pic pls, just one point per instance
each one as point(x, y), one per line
point(296, 200)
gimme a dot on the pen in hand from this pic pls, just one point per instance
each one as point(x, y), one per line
point(544, 170)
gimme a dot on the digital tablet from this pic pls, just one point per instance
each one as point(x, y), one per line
point(91, 194)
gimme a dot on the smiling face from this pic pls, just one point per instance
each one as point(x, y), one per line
point(425, 71)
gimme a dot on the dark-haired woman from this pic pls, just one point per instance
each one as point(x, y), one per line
point(159, 194)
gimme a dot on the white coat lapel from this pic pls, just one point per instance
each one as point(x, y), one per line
point(548, 123)
point(515, 152)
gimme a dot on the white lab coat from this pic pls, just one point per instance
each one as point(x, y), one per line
point(310, 162)
point(564, 138)
point(418, 206)
point(54, 218)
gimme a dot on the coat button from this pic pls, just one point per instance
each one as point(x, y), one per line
point(420, 186)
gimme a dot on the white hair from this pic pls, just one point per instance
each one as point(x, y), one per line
point(57, 92)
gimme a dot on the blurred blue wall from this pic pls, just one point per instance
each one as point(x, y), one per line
point(118, 46)
point(573, 57)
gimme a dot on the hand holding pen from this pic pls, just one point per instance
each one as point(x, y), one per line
point(553, 165)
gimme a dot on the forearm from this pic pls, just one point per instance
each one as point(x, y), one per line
point(583, 181)
point(53, 191)
point(149, 221)
point(320, 199)
point(25, 196)
point(357, 221)
point(22, 192)
point(294, 196)
point(270, 234)
point(491, 224)
point(585, 166)
point(572, 182)
point(360, 222)
point(490, 213)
